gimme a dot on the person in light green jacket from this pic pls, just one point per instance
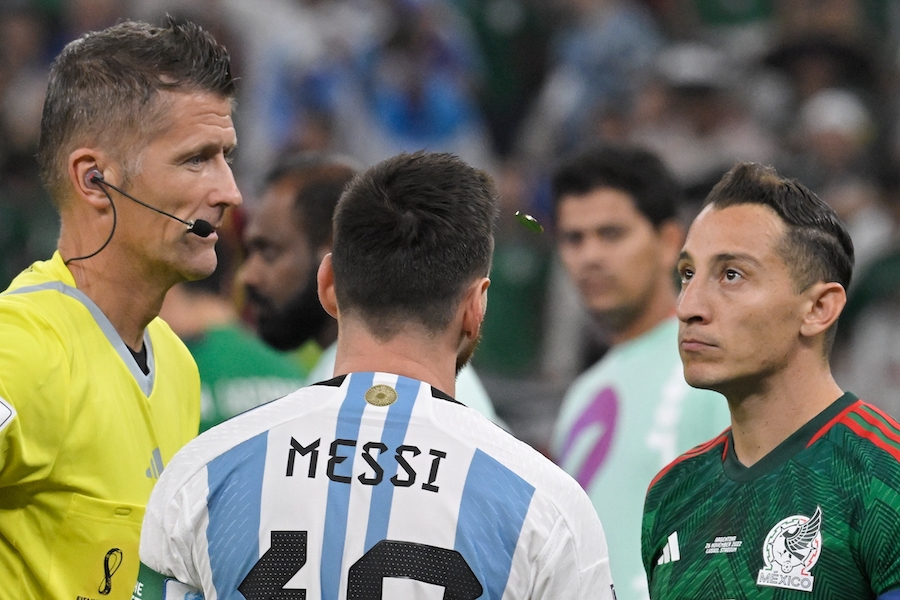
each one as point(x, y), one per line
point(631, 413)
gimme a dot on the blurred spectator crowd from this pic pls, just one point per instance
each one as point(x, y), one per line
point(809, 86)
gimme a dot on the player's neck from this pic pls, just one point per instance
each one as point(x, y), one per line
point(765, 417)
point(327, 335)
point(428, 359)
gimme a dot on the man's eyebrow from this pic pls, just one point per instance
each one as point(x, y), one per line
point(735, 256)
point(723, 257)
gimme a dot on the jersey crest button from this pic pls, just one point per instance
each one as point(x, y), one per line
point(791, 550)
point(381, 395)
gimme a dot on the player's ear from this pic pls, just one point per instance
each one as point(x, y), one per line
point(325, 282)
point(475, 306)
point(824, 303)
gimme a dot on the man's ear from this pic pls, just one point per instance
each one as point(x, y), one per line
point(82, 164)
point(474, 307)
point(325, 283)
point(825, 301)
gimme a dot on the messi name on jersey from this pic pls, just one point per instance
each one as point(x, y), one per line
point(411, 461)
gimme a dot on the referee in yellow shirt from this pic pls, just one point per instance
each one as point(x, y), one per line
point(96, 392)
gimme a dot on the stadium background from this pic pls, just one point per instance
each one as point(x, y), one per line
point(810, 86)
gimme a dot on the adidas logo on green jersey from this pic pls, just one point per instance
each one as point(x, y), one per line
point(671, 552)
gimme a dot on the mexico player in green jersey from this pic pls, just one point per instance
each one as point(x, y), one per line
point(800, 498)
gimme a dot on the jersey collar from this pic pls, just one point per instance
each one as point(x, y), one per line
point(789, 448)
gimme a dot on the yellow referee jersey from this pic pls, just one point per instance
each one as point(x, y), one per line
point(84, 434)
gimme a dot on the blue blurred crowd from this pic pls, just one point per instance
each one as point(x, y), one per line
point(810, 86)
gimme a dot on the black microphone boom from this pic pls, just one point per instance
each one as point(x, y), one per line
point(198, 227)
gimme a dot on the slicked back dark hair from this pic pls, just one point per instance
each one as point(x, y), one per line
point(105, 87)
point(633, 170)
point(817, 246)
point(409, 235)
point(318, 180)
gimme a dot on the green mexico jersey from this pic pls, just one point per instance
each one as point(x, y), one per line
point(818, 517)
point(238, 372)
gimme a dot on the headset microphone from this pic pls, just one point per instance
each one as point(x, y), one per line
point(201, 228)
point(95, 177)
point(198, 227)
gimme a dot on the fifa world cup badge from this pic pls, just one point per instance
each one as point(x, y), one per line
point(791, 550)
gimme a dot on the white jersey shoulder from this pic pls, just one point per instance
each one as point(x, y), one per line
point(372, 483)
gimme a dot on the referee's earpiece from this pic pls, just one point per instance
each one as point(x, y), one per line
point(92, 177)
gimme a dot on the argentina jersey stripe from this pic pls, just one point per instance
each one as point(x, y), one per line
point(336, 512)
point(234, 500)
point(494, 499)
point(380, 503)
point(395, 428)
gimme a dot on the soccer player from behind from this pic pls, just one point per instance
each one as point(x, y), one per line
point(378, 483)
point(630, 414)
point(800, 498)
point(286, 237)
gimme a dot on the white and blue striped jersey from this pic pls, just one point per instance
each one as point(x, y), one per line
point(370, 485)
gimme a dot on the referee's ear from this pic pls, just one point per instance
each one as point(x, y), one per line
point(325, 283)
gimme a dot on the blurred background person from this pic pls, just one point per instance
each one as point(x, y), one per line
point(690, 112)
point(618, 234)
point(237, 370)
point(598, 54)
point(833, 143)
point(285, 238)
point(866, 354)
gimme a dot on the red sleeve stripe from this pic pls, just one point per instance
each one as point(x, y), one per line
point(880, 426)
point(873, 437)
point(886, 419)
point(696, 451)
point(832, 422)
